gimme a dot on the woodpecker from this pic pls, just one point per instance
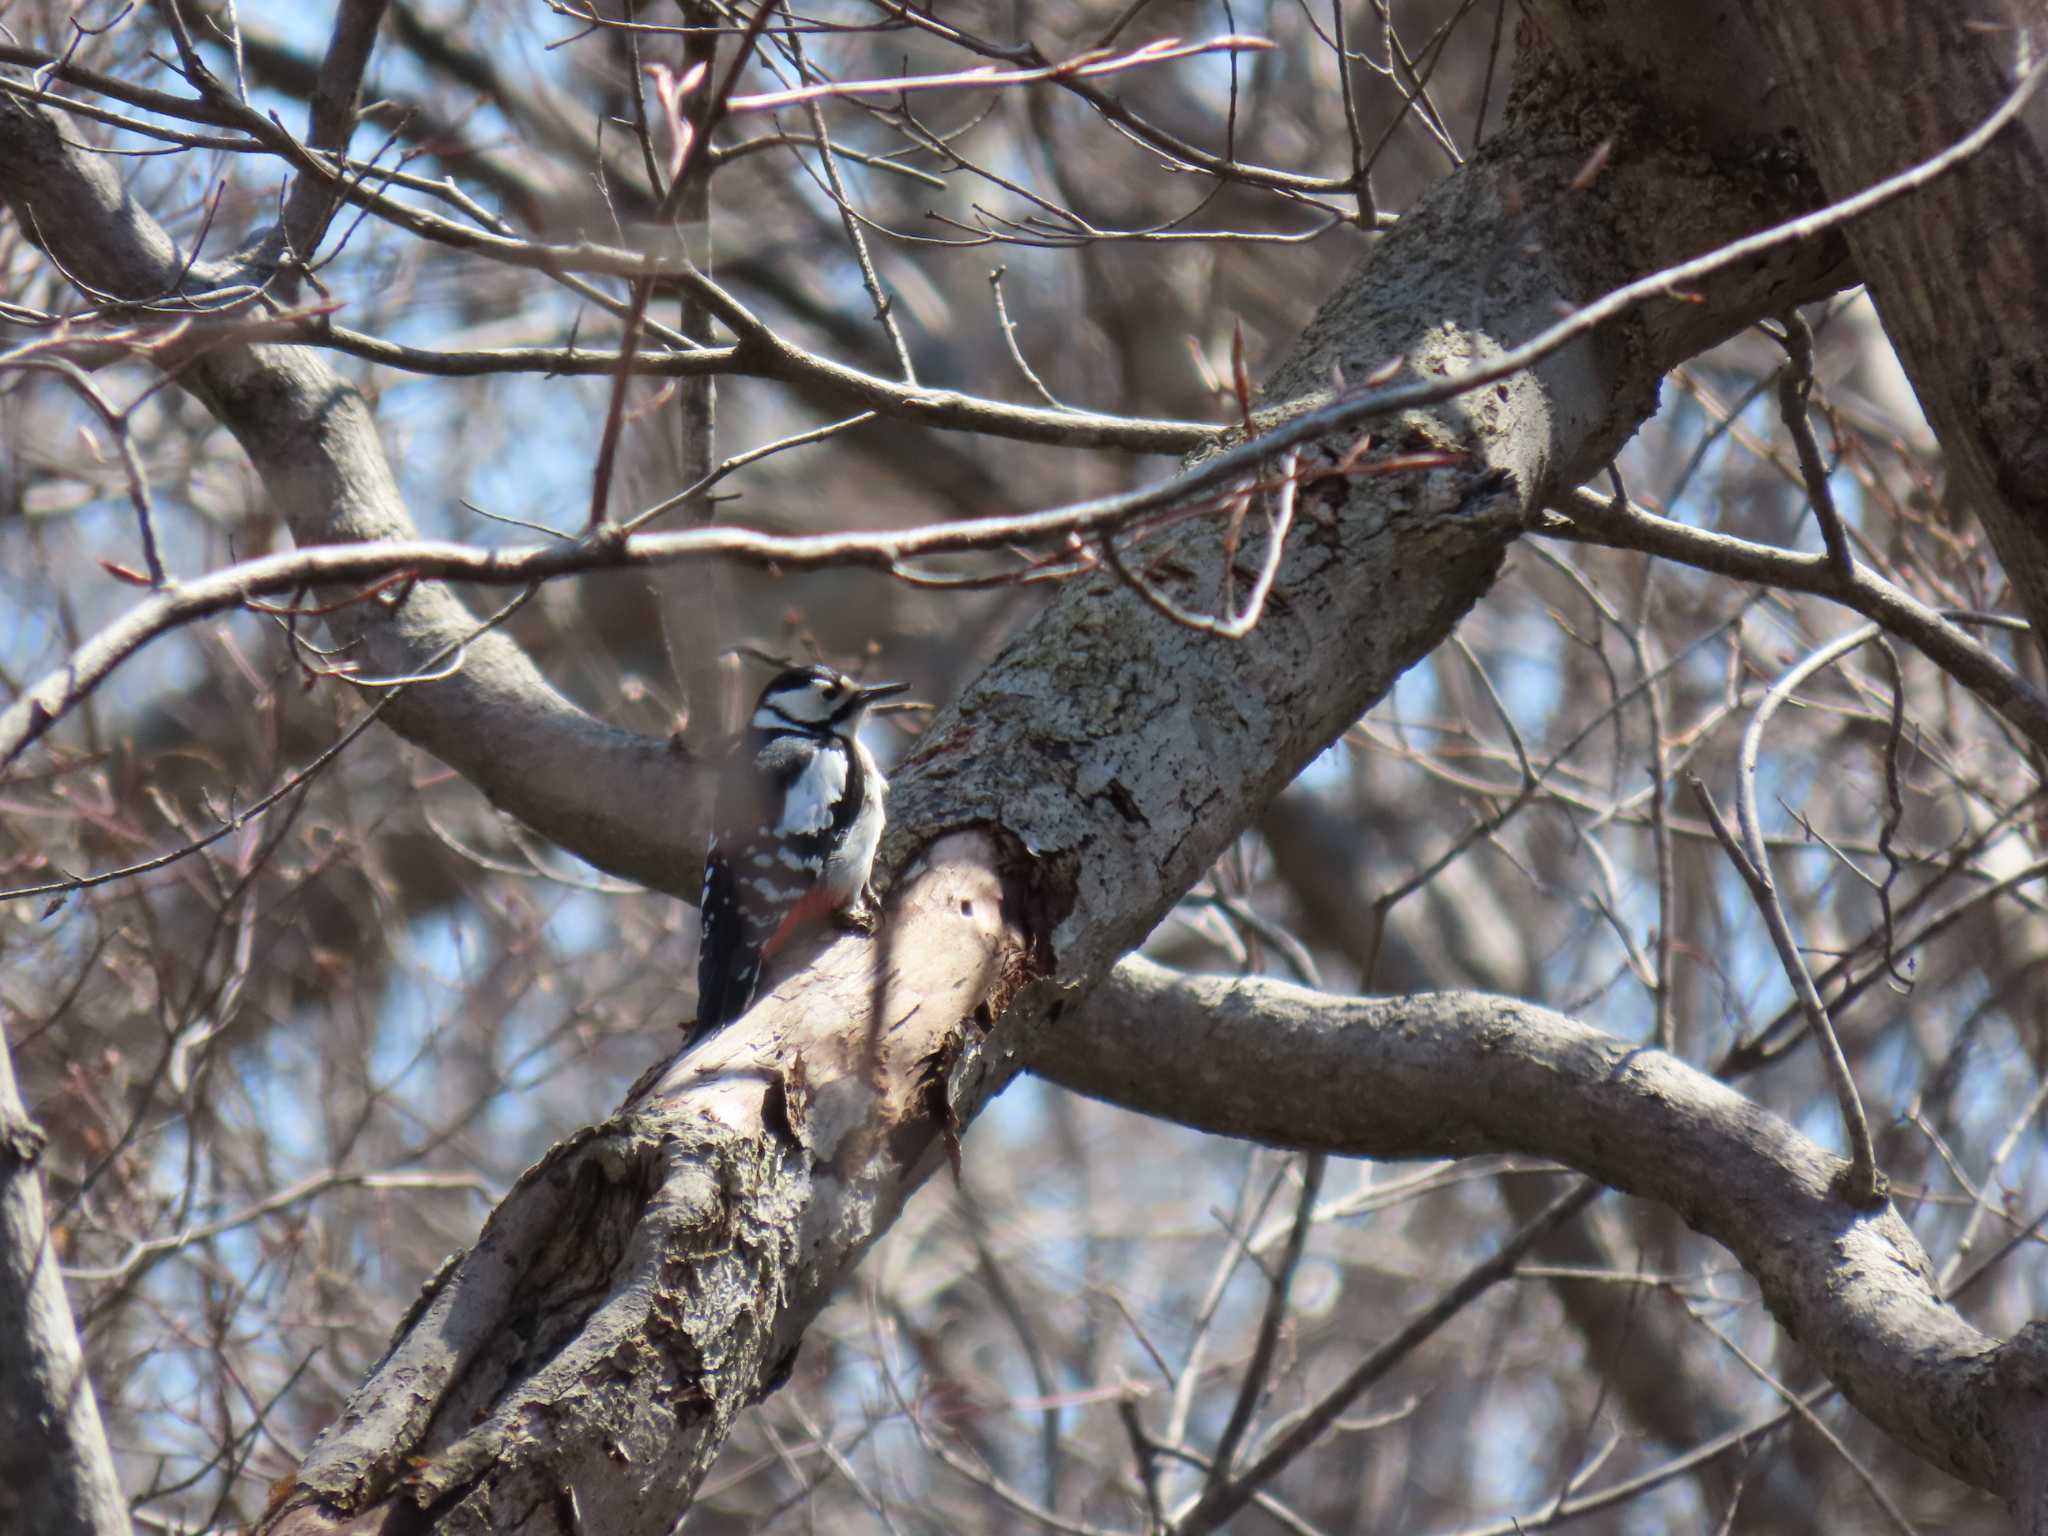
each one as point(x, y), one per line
point(799, 815)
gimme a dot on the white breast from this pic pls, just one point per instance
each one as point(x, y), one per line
point(812, 796)
point(852, 862)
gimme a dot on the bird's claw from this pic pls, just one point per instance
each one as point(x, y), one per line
point(863, 915)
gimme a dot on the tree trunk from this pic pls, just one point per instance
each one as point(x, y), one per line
point(1959, 273)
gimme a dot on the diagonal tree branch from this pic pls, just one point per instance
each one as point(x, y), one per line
point(311, 203)
point(1087, 779)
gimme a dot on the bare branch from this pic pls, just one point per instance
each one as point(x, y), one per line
point(1593, 517)
point(1280, 1282)
point(314, 442)
point(1455, 1074)
point(1223, 1500)
point(1866, 1184)
point(1091, 65)
point(1795, 390)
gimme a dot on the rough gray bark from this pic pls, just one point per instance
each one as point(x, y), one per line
point(1126, 751)
point(56, 1474)
point(1959, 275)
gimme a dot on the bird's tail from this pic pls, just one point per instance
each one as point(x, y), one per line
point(725, 990)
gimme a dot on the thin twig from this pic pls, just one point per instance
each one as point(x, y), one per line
point(1666, 1031)
point(1590, 517)
point(1257, 1371)
point(703, 124)
point(1084, 66)
point(1361, 163)
point(124, 444)
point(1813, 1421)
point(1384, 904)
point(870, 275)
point(1795, 387)
point(1009, 328)
point(1236, 626)
point(1241, 1224)
point(1894, 809)
point(437, 666)
point(1218, 1505)
point(1019, 1319)
point(1145, 1453)
point(1866, 1184)
point(1979, 1206)
point(740, 461)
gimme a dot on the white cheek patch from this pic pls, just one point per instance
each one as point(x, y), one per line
point(808, 805)
point(804, 708)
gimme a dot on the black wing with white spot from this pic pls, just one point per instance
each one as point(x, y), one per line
point(728, 967)
point(751, 880)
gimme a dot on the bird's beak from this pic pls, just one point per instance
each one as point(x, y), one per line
point(875, 691)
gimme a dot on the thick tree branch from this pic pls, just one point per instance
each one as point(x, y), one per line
point(1455, 1074)
point(665, 1264)
point(311, 203)
point(56, 1474)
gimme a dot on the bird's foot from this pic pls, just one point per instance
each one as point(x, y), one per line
point(862, 915)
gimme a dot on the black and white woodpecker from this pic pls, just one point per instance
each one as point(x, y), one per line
point(799, 815)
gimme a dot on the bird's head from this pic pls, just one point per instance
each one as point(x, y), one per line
point(817, 700)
